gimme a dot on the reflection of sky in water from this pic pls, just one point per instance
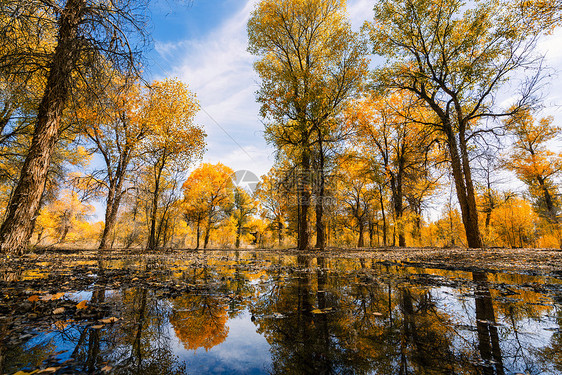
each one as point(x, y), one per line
point(531, 333)
point(244, 351)
point(452, 313)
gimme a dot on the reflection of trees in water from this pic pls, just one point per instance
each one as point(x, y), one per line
point(506, 329)
point(138, 345)
point(552, 354)
point(379, 322)
point(401, 330)
point(486, 325)
point(386, 326)
point(199, 321)
point(303, 342)
point(14, 357)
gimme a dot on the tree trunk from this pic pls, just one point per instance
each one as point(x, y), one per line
point(65, 230)
point(464, 187)
point(279, 232)
point(111, 209)
point(397, 200)
point(320, 228)
point(384, 240)
point(371, 232)
point(114, 195)
point(304, 201)
point(360, 242)
point(18, 225)
point(198, 233)
point(207, 235)
point(238, 233)
point(550, 211)
point(152, 241)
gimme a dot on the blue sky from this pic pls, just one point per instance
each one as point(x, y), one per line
point(203, 43)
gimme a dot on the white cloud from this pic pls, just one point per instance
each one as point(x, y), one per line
point(359, 12)
point(550, 47)
point(220, 70)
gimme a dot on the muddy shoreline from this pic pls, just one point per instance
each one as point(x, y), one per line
point(527, 261)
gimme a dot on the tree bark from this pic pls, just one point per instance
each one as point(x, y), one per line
point(207, 235)
point(384, 239)
point(152, 240)
point(114, 194)
point(320, 228)
point(18, 225)
point(304, 201)
point(397, 200)
point(279, 232)
point(198, 233)
point(238, 233)
point(111, 210)
point(360, 241)
point(464, 186)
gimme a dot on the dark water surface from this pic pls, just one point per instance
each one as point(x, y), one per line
point(261, 313)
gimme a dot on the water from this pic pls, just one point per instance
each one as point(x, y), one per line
point(256, 313)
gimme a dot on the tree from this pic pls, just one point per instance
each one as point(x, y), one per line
point(535, 164)
point(207, 196)
point(67, 213)
point(173, 143)
point(114, 126)
point(356, 194)
point(89, 34)
point(396, 144)
point(311, 63)
point(243, 207)
point(273, 202)
point(514, 223)
point(455, 59)
point(545, 14)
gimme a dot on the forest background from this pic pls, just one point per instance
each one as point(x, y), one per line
point(146, 155)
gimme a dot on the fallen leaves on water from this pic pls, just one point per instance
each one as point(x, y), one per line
point(321, 311)
point(109, 320)
point(52, 297)
point(59, 310)
point(82, 305)
point(48, 370)
point(60, 325)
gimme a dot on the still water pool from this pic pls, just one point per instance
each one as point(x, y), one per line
point(227, 312)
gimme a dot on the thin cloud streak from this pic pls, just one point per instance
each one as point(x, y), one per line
point(220, 70)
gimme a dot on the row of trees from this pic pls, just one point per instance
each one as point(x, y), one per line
point(70, 90)
point(433, 103)
point(211, 209)
point(360, 152)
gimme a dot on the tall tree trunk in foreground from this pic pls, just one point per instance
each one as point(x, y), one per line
point(464, 186)
point(18, 225)
point(113, 202)
point(304, 201)
point(320, 227)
